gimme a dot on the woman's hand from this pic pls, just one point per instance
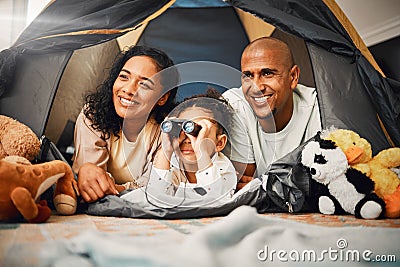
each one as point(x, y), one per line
point(94, 183)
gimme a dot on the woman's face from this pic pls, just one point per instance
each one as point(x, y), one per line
point(137, 89)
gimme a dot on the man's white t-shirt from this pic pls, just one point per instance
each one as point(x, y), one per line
point(250, 144)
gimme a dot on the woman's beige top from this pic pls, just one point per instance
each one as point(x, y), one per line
point(127, 162)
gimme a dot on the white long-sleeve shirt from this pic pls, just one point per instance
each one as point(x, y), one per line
point(215, 184)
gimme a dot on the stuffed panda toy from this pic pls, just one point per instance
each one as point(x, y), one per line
point(338, 188)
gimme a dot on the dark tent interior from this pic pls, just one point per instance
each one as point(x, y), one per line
point(56, 63)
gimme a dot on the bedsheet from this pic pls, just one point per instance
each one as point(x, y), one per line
point(240, 239)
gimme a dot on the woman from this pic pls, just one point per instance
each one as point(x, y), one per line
point(117, 133)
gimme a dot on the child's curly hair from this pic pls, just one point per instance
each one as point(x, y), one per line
point(213, 101)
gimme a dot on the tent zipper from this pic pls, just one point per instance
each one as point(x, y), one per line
point(290, 207)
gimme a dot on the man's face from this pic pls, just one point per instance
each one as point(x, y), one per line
point(267, 83)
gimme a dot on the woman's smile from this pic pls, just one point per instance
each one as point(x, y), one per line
point(127, 102)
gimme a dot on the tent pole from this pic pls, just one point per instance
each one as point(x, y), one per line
point(339, 14)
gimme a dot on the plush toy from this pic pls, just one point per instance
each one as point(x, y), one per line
point(19, 145)
point(337, 187)
point(21, 185)
point(379, 168)
point(17, 139)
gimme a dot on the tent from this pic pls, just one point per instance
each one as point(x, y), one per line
point(66, 50)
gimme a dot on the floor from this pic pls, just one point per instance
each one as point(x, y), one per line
point(21, 244)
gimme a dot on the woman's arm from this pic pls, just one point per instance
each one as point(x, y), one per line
point(90, 162)
point(89, 146)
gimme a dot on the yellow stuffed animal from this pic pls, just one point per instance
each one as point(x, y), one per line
point(359, 155)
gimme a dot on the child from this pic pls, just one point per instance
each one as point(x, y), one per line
point(191, 166)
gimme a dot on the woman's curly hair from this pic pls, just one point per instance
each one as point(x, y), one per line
point(99, 106)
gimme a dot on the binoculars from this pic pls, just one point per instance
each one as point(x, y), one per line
point(174, 127)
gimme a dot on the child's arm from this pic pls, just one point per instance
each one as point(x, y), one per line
point(219, 180)
point(203, 145)
point(161, 175)
point(161, 182)
point(163, 156)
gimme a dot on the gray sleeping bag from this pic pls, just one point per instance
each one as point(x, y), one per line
point(284, 188)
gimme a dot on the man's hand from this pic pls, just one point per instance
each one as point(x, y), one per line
point(244, 172)
point(94, 183)
point(243, 181)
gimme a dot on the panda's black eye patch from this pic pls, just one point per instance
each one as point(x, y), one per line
point(320, 159)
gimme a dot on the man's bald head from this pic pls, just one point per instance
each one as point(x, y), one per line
point(268, 80)
point(280, 48)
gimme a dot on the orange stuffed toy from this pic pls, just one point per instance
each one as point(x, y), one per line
point(21, 183)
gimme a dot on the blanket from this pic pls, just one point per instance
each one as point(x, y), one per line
point(243, 238)
point(29, 245)
point(284, 188)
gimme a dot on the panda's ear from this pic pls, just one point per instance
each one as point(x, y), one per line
point(327, 144)
point(308, 153)
point(318, 136)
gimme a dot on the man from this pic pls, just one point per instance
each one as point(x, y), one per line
point(273, 113)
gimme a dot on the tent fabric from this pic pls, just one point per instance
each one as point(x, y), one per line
point(205, 25)
point(391, 87)
point(254, 26)
point(352, 93)
point(359, 43)
point(315, 23)
point(82, 75)
point(336, 106)
point(310, 20)
point(41, 53)
point(385, 94)
point(78, 24)
point(36, 78)
point(199, 4)
point(166, 31)
point(85, 23)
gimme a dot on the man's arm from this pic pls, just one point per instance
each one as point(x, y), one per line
point(245, 173)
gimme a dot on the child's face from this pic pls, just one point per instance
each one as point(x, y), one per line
point(197, 115)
